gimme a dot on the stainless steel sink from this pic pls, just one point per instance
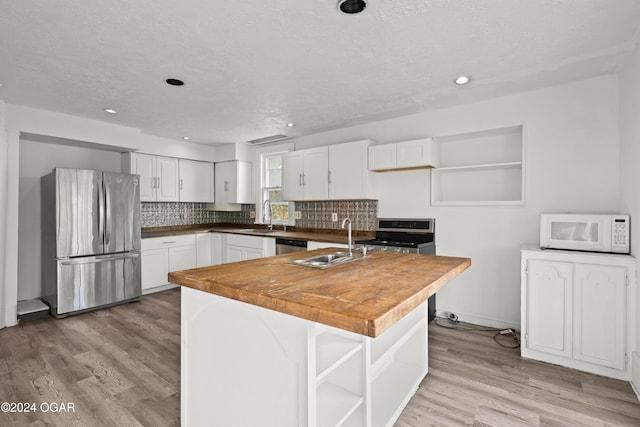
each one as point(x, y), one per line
point(327, 260)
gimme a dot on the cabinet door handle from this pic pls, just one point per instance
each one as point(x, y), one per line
point(300, 180)
point(226, 186)
point(304, 179)
point(329, 177)
point(180, 183)
point(153, 182)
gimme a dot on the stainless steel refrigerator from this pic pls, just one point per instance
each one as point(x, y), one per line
point(90, 239)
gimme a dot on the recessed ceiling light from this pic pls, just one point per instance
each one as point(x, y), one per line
point(110, 111)
point(174, 82)
point(351, 7)
point(462, 80)
point(290, 125)
point(186, 138)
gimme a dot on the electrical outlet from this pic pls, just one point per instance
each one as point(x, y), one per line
point(298, 215)
point(252, 214)
point(334, 217)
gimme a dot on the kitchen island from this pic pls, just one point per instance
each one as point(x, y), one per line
point(268, 343)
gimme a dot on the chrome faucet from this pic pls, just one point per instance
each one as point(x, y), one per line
point(264, 212)
point(344, 221)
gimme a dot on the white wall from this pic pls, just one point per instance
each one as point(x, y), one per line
point(571, 163)
point(630, 170)
point(3, 204)
point(38, 159)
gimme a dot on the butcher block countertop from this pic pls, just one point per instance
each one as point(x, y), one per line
point(335, 236)
point(365, 296)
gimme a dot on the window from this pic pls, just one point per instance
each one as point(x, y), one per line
point(281, 211)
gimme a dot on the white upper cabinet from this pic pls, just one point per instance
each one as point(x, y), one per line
point(402, 155)
point(292, 170)
point(414, 154)
point(233, 184)
point(158, 176)
point(196, 181)
point(316, 174)
point(306, 174)
point(335, 172)
point(349, 176)
point(167, 185)
point(382, 157)
point(144, 166)
point(167, 179)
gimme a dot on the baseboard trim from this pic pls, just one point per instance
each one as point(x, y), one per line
point(158, 289)
point(482, 321)
point(635, 373)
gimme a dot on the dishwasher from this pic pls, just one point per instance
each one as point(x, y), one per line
point(286, 246)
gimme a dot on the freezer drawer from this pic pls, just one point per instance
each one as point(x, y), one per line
point(89, 282)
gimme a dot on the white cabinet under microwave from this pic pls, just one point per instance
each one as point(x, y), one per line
point(585, 232)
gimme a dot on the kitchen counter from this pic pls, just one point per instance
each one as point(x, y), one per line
point(365, 296)
point(339, 236)
point(296, 344)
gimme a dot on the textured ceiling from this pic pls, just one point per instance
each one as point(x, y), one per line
point(252, 66)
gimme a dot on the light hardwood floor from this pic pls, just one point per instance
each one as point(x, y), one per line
point(121, 367)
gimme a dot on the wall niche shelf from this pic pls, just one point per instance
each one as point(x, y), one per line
point(480, 168)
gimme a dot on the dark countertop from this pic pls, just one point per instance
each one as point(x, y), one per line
point(321, 235)
point(365, 296)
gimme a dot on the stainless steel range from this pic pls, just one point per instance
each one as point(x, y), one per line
point(415, 236)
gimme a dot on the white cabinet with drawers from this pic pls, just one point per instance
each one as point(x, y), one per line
point(239, 247)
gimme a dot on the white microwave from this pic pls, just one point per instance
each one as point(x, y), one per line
point(585, 232)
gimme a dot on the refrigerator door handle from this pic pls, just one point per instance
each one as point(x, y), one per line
point(101, 212)
point(107, 235)
point(99, 258)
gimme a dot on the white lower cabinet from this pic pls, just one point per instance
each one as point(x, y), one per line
point(208, 249)
point(155, 268)
point(182, 257)
point(239, 247)
point(578, 310)
point(160, 255)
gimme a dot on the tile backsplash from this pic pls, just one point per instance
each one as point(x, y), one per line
point(315, 214)
point(164, 214)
